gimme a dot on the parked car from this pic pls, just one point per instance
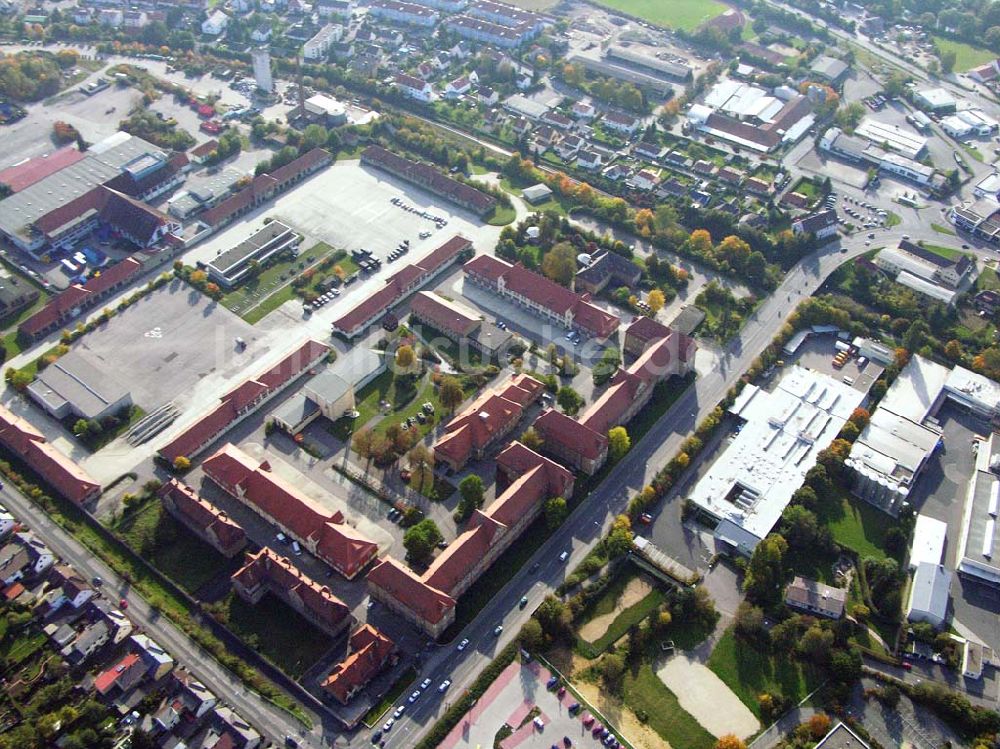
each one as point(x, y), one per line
point(463, 644)
point(425, 683)
point(443, 687)
point(498, 631)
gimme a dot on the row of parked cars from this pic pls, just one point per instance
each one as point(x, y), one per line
point(597, 729)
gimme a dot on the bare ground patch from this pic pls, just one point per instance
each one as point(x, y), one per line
point(637, 589)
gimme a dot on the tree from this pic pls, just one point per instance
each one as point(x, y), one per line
point(569, 400)
point(799, 526)
point(471, 489)
point(765, 576)
point(845, 665)
point(618, 443)
point(531, 439)
point(559, 263)
point(363, 443)
point(816, 644)
point(19, 379)
point(948, 59)
point(80, 428)
point(556, 511)
point(619, 539)
point(451, 393)
point(405, 356)
point(181, 463)
point(749, 624)
point(819, 726)
point(612, 671)
point(420, 541)
point(730, 741)
point(554, 616)
point(532, 637)
point(421, 459)
point(655, 299)
point(953, 350)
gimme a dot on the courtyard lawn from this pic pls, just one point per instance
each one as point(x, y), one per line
point(686, 15)
point(172, 548)
point(276, 631)
point(966, 56)
point(940, 229)
point(988, 279)
point(750, 673)
point(625, 619)
point(501, 216)
point(858, 526)
point(652, 702)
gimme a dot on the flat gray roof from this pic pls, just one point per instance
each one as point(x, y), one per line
point(980, 541)
point(250, 246)
point(72, 379)
point(295, 410)
point(328, 385)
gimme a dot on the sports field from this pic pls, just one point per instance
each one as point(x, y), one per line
point(675, 14)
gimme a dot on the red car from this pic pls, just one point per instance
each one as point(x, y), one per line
point(588, 719)
point(123, 604)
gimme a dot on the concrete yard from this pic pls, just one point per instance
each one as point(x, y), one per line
point(162, 347)
point(348, 206)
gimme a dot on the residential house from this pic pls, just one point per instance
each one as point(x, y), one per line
point(557, 120)
point(644, 180)
point(414, 88)
point(569, 147)
point(82, 645)
point(66, 588)
point(157, 661)
point(121, 677)
point(458, 88)
point(230, 730)
point(589, 159)
point(815, 598)
point(652, 152)
point(215, 24)
point(620, 122)
point(24, 557)
point(261, 34)
point(583, 110)
point(403, 12)
point(266, 572)
point(822, 224)
point(487, 96)
point(325, 535)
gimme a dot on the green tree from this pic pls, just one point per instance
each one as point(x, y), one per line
point(948, 59)
point(530, 438)
point(612, 672)
point(532, 637)
point(471, 490)
point(559, 263)
point(619, 540)
point(421, 540)
point(421, 460)
point(80, 428)
point(405, 357)
point(799, 526)
point(618, 443)
point(450, 393)
point(816, 644)
point(569, 400)
point(765, 575)
point(555, 617)
point(556, 511)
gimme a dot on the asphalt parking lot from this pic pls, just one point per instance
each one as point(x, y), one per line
point(162, 347)
point(817, 354)
point(940, 493)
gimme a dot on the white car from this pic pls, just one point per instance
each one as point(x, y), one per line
point(463, 644)
point(388, 724)
point(425, 683)
point(399, 712)
point(414, 697)
point(564, 556)
point(444, 685)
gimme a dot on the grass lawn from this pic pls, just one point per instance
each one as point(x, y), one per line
point(750, 673)
point(942, 229)
point(686, 15)
point(374, 715)
point(808, 188)
point(966, 56)
point(892, 219)
point(276, 631)
point(949, 253)
point(502, 215)
point(649, 698)
point(988, 279)
point(22, 647)
point(171, 548)
point(974, 152)
point(858, 526)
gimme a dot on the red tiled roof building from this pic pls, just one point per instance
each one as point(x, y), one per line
point(428, 600)
point(267, 572)
point(545, 298)
point(203, 518)
point(370, 652)
point(324, 534)
point(29, 445)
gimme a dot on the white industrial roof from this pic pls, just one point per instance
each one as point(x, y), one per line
point(990, 183)
point(927, 288)
point(980, 531)
point(753, 480)
point(974, 389)
point(915, 391)
point(928, 541)
point(936, 98)
point(929, 594)
point(899, 139)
